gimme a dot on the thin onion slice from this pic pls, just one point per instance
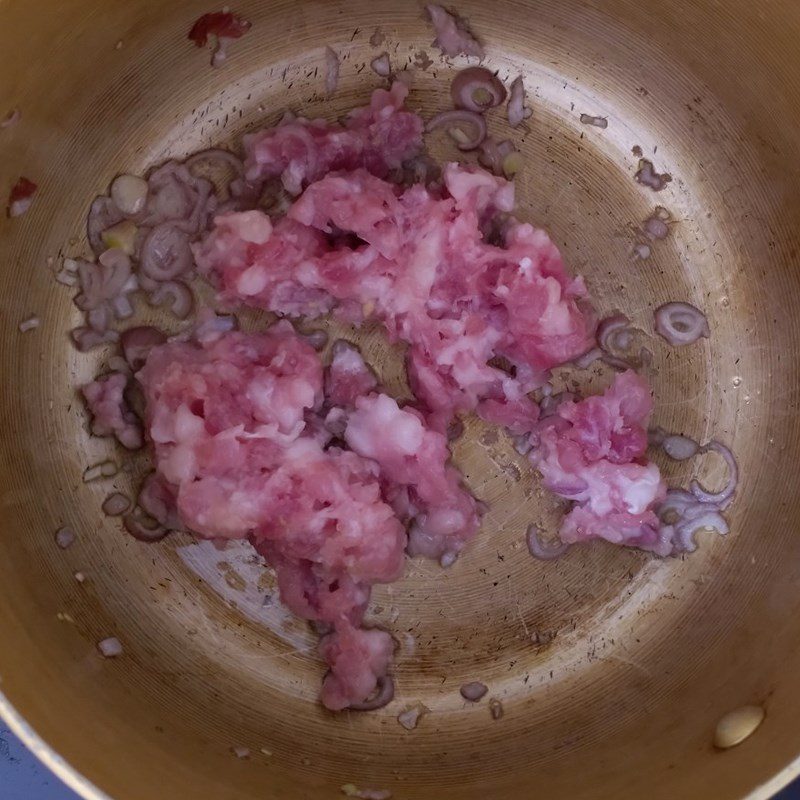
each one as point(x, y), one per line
point(383, 696)
point(517, 111)
point(331, 71)
point(723, 498)
point(596, 122)
point(681, 323)
point(176, 295)
point(143, 528)
point(539, 550)
point(477, 89)
point(455, 121)
point(685, 532)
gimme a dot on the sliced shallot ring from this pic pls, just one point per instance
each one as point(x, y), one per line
point(710, 519)
point(540, 550)
point(681, 323)
point(477, 89)
point(177, 295)
point(588, 358)
point(614, 333)
point(143, 529)
point(382, 697)
point(217, 154)
point(166, 253)
point(722, 498)
point(452, 119)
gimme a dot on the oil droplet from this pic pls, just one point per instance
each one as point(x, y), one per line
point(737, 381)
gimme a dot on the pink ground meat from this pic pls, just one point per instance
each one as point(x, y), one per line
point(593, 452)
point(378, 138)
point(422, 265)
point(228, 422)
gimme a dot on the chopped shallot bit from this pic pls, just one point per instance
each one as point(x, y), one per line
point(241, 752)
point(453, 37)
point(129, 194)
point(647, 176)
point(410, 718)
point(516, 110)
point(496, 708)
point(110, 647)
point(381, 65)
point(66, 278)
point(473, 691)
point(116, 504)
point(65, 537)
point(21, 197)
point(351, 790)
point(29, 324)
point(597, 122)
point(642, 251)
point(12, 118)
point(655, 226)
point(80, 577)
point(106, 469)
point(331, 71)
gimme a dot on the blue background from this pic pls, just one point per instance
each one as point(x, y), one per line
point(23, 778)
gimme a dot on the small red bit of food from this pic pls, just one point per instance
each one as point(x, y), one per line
point(218, 23)
point(225, 26)
point(21, 197)
point(453, 37)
